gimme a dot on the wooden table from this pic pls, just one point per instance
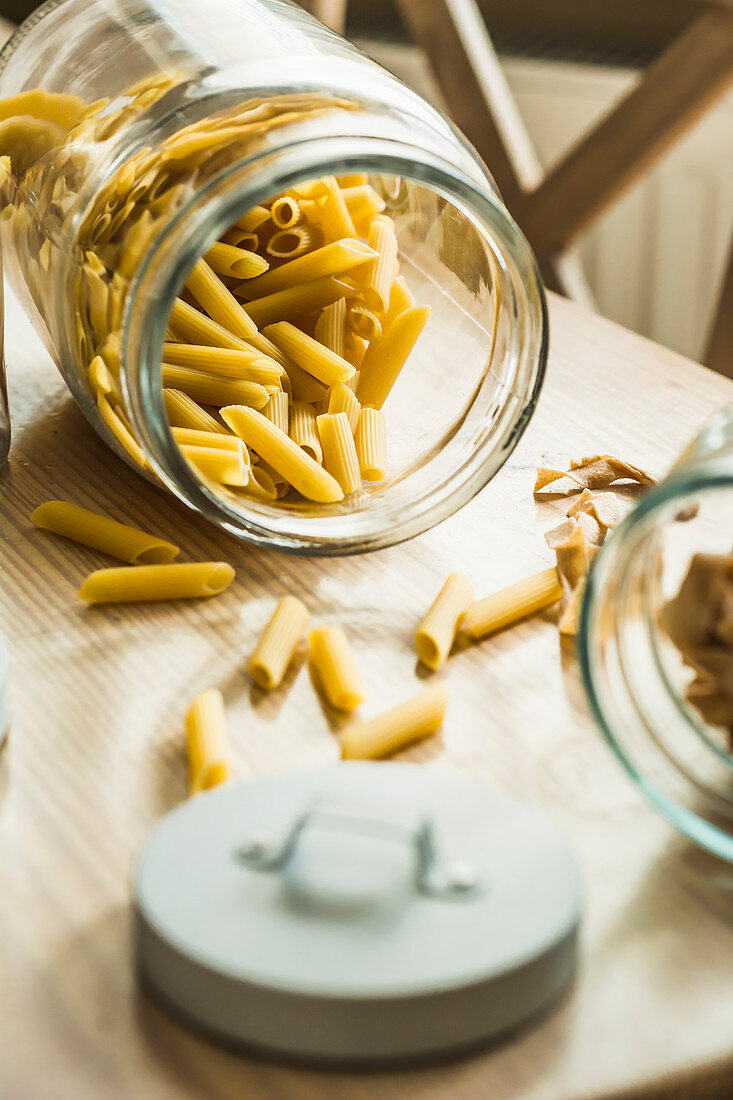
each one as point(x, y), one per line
point(95, 757)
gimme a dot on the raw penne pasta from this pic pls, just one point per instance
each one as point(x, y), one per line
point(234, 262)
point(382, 271)
point(224, 466)
point(280, 639)
point(333, 662)
point(335, 218)
point(362, 202)
point(246, 366)
point(436, 633)
point(412, 721)
point(119, 430)
point(400, 299)
point(184, 412)
point(283, 454)
point(206, 742)
point(512, 604)
point(219, 302)
point(304, 429)
point(330, 327)
point(240, 239)
point(339, 450)
point(261, 485)
point(309, 354)
point(278, 482)
point(363, 322)
point(352, 181)
point(343, 399)
point(288, 244)
point(101, 533)
point(371, 444)
point(210, 389)
point(253, 219)
point(193, 437)
point(356, 349)
point(138, 583)
point(332, 259)
point(189, 323)
point(295, 300)
point(303, 386)
point(102, 381)
point(277, 410)
point(285, 212)
point(384, 360)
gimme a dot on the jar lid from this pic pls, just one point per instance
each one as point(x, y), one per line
point(358, 912)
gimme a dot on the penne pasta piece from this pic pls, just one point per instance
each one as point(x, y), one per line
point(371, 444)
point(142, 583)
point(283, 454)
point(137, 241)
point(309, 354)
point(261, 485)
point(191, 325)
point(331, 327)
point(193, 437)
point(279, 484)
point(183, 412)
point(102, 381)
point(219, 302)
point(436, 633)
point(512, 604)
point(412, 721)
point(339, 450)
point(332, 660)
point(287, 244)
point(356, 349)
point(304, 298)
point(234, 262)
point(353, 383)
point(382, 272)
point(224, 466)
point(342, 399)
point(304, 386)
point(101, 533)
point(359, 180)
point(277, 410)
point(383, 361)
point(332, 259)
point(285, 212)
point(362, 202)
point(280, 639)
point(246, 366)
point(363, 322)
point(253, 219)
point(400, 299)
point(304, 429)
point(206, 742)
point(335, 218)
point(210, 389)
point(240, 239)
point(119, 430)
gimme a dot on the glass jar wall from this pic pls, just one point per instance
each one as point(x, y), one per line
point(137, 133)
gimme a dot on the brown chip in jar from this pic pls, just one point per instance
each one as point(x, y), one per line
point(593, 472)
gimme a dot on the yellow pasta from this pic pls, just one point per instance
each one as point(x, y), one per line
point(304, 386)
point(358, 180)
point(253, 219)
point(304, 429)
point(332, 259)
point(363, 322)
point(285, 212)
point(102, 381)
point(206, 742)
point(261, 485)
point(101, 533)
point(280, 639)
point(219, 302)
point(400, 299)
point(278, 482)
point(512, 604)
point(184, 412)
point(333, 662)
point(384, 360)
point(342, 399)
point(277, 410)
point(189, 323)
point(283, 454)
point(210, 389)
point(309, 354)
point(240, 239)
point(335, 218)
point(234, 262)
point(339, 450)
point(412, 721)
point(143, 583)
point(112, 419)
point(295, 300)
point(356, 349)
point(193, 437)
point(224, 466)
point(383, 270)
point(287, 244)
point(245, 365)
point(436, 633)
point(362, 202)
point(331, 327)
point(371, 444)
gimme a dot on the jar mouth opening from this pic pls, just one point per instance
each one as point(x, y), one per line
point(635, 676)
point(496, 412)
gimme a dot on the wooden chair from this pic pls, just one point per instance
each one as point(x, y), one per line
point(553, 208)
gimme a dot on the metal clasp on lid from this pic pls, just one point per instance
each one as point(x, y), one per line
point(434, 879)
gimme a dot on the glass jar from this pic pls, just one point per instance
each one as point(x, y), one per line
point(640, 682)
point(147, 77)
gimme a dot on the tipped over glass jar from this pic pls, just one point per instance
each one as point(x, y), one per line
point(140, 142)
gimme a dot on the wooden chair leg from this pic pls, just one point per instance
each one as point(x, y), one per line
point(720, 347)
point(330, 12)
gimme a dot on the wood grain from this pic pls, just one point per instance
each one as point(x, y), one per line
point(95, 757)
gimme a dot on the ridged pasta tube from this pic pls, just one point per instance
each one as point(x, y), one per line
point(280, 639)
point(224, 466)
point(412, 721)
point(206, 742)
point(436, 633)
point(244, 366)
point(290, 243)
point(333, 662)
point(371, 444)
point(277, 410)
point(384, 360)
point(304, 429)
point(142, 583)
point(331, 327)
point(331, 259)
point(400, 299)
point(184, 412)
point(339, 450)
point(101, 533)
point(285, 212)
point(295, 300)
point(309, 354)
point(512, 604)
point(383, 270)
point(210, 389)
point(235, 263)
point(343, 399)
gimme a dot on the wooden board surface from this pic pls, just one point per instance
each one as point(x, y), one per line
point(95, 757)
